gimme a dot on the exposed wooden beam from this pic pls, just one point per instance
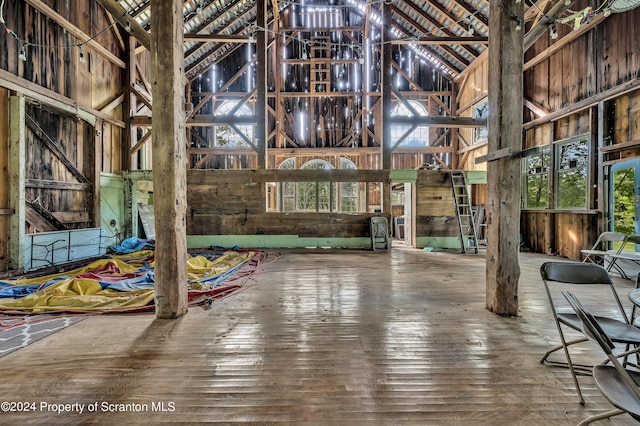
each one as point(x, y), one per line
point(127, 22)
point(55, 149)
point(626, 87)
point(410, 21)
point(84, 38)
point(543, 24)
point(440, 121)
point(42, 218)
point(216, 38)
point(559, 44)
point(444, 40)
point(114, 29)
point(54, 100)
point(112, 104)
point(140, 143)
point(54, 184)
point(537, 110)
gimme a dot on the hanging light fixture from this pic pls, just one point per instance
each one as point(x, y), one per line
point(553, 32)
point(23, 54)
point(619, 6)
point(81, 56)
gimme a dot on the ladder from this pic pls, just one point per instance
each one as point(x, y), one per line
point(466, 223)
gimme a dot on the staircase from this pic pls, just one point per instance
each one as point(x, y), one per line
point(466, 222)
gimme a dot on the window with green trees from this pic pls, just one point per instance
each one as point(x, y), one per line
point(536, 180)
point(571, 175)
point(572, 167)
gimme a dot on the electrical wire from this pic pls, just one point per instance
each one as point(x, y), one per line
point(25, 43)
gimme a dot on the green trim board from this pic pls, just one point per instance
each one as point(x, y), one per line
point(403, 175)
point(275, 241)
point(438, 242)
point(476, 176)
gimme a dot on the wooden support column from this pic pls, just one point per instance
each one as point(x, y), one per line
point(261, 83)
point(169, 158)
point(17, 165)
point(455, 140)
point(387, 88)
point(97, 171)
point(503, 174)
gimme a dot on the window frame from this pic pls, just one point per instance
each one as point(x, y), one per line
point(545, 171)
point(557, 163)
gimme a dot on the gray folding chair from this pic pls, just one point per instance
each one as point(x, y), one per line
point(617, 384)
point(600, 249)
point(583, 276)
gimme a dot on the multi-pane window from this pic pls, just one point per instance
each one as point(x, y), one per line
point(419, 136)
point(233, 136)
point(536, 180)
point(318, 196)
point(480, 111)
point(572, 167)
point(570, 170)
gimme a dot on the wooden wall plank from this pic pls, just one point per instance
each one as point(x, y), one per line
point(4, 178)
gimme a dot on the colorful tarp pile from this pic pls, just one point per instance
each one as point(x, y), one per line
point(123, 283)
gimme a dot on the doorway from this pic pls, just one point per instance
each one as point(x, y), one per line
point(624, 198)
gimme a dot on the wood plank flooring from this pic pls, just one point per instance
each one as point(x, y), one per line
point(324, 337)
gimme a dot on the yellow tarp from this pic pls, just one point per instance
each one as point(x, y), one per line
point(77, 294)
point(86, 294)
point(199, 268)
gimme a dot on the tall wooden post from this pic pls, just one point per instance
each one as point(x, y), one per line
point(387, 86)
point(261, 84)
point(169, 158)
point(17, 166)
point(503, 174)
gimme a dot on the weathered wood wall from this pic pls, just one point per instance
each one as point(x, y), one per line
point(603, 65)
point(472, 90)
point(94, 84)
point(57, 83)
point(233, 203)
point(435, 213)
point(559, 233)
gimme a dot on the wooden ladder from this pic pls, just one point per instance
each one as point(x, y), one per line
point(464, 213)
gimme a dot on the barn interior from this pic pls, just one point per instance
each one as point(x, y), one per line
point(307, 211)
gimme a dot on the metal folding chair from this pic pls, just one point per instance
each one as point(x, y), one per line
point(579, 276)
point(600, 249)
point(617, 384)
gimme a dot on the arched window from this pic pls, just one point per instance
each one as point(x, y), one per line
point(318, 196)
point(233, 135)
point(315, 195)
point(348, 190)
point(419, 136)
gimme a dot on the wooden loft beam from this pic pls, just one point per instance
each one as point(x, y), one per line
point(413, 23)
point(216, 38)
point(75, 31)
point(559, 44)
point(444, 40)
point(54, 100)
point(120, 15)
point(436, 24)
point(541, 27)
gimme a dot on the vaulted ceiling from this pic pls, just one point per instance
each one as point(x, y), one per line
point(451, 33)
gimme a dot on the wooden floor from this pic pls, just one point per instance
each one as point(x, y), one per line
point(324, 337)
